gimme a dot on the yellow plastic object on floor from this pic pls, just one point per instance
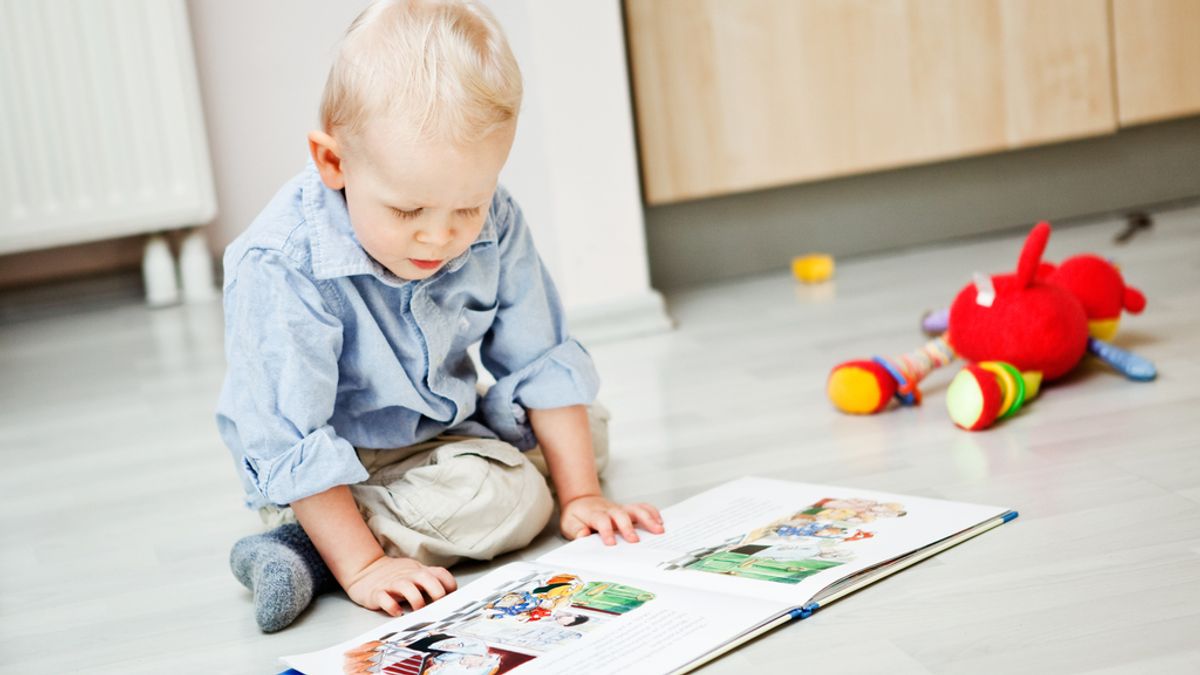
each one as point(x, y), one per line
point(813, 268)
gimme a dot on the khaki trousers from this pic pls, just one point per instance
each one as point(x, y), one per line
point(456, 497)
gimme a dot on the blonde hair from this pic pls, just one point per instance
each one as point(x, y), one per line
point(436, 69)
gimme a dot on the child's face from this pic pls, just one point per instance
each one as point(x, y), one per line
point(415, 206)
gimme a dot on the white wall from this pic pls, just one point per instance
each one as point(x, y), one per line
point(573, 166)
point(262, 65)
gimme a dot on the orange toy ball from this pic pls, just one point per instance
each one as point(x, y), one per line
point(813, 268)
point(860, 387)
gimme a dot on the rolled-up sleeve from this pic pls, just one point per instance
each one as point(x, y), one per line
point(528, 349)
point(282, 346)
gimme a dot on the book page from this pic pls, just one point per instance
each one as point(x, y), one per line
point(547, 619)
point(770, 539)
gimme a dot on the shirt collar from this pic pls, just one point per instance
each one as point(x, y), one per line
point(336, 251)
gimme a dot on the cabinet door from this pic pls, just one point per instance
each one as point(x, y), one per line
point(734, 96)
point(1158, 58)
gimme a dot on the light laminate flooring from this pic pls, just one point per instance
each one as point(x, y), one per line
point(120, 503)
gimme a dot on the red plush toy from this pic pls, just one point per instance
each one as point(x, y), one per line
point(1017, 329)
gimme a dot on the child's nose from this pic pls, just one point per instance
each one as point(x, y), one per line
point(436, 236)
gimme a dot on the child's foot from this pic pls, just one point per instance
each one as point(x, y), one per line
point(284, 570)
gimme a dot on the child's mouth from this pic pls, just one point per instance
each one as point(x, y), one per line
point(425, 264)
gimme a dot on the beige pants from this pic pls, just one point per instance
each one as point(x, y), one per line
point(456, 497)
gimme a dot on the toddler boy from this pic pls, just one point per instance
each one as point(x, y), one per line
point(350, 403)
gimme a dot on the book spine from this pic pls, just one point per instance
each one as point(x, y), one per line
point(805, 611)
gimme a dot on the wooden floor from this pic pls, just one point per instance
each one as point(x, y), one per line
point(120, 503)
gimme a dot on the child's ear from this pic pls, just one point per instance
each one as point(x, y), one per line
point(327, 155)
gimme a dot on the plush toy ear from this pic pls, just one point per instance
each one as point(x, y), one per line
point(1135, 302)
point(1045, 271)
point(1031, 254)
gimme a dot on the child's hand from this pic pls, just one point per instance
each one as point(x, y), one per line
point(593, 513)
point(380, 584)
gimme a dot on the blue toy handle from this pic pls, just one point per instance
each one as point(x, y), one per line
point(1128, 364)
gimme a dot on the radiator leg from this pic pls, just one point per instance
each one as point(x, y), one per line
point(196, 268)
point(158, 273)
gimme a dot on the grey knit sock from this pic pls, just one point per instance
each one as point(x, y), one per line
point(284, 570)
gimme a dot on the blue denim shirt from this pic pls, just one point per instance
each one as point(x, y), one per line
point(328, 351)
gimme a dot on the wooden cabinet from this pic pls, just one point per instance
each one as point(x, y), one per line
point(1157, 44)
point(735, 96)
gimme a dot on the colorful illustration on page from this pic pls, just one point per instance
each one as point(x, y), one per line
point(798, 546)
point(518, 622)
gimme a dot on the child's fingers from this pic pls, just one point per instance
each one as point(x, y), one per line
point(624, 524)
point(602, 524)
point(653, 511)
point(431, 585)
point(645, 517)
point(387, 603)
point(574, 527)
point(445, 577)
point(410, 592)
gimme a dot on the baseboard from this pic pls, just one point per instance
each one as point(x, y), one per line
point(643, 314)
point(759, 232)
point(71, 296)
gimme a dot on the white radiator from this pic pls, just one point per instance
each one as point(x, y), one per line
point(101, 131)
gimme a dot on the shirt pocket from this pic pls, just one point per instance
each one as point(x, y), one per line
point(473, 324)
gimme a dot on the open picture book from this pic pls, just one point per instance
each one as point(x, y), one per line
point(734, 562)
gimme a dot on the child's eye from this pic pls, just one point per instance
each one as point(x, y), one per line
point(407, 215)
point(469, 213)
